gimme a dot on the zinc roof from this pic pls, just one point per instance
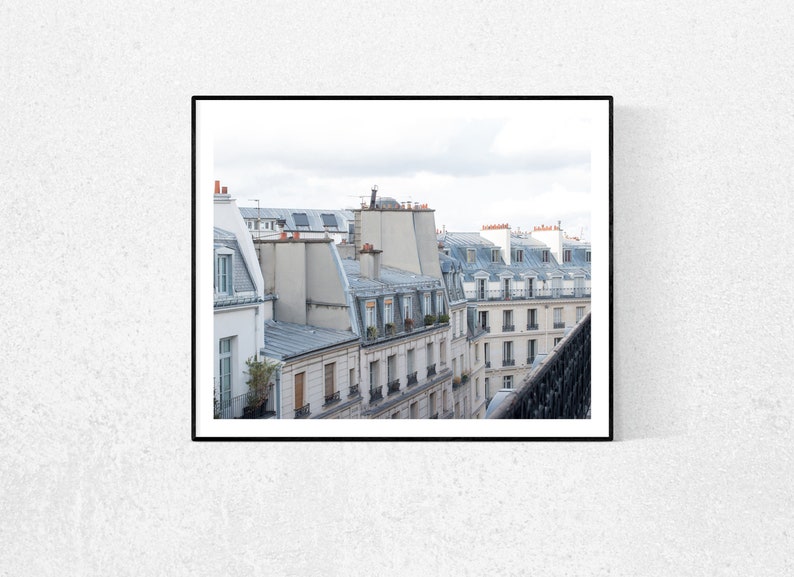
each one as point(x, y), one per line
point(287, 340)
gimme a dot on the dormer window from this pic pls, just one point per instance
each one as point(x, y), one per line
point(471, 255)
point(587, 256)
point(494, 255)
point(519, 256)
point(566, 255)
point(388, 311)
point(223, 271)
point(545, 256)
point(371, 317)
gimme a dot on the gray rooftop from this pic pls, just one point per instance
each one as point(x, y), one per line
point(459, 243)
point(287, 340)
point(389, 278)
point(314, 220)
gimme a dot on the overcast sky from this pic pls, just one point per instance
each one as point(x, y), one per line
point(475, 162)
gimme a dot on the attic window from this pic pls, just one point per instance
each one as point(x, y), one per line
point(329, 220)
point(566, 255)
point(470, 255)
point(494, 255)
point(519, 257)
point(587, 256)
point(300, 219)
point(545, 256)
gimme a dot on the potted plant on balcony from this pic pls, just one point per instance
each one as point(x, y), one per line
point(464, 378)
point(389, 328)
point(259, 375)
point(409, 324)
point(429, 320)
point(443, 319)
point(456, 381)
point(372, 332)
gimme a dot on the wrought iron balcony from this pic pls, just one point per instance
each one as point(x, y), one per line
point(303, 412)
point(375, 393)
point(508, 328)
point(508, 362)
point(434, 416)
point(529, 294)
point(457, 383)
point(332, 398)
point(393, 386)
point(530, 360)
point(559, 325)
point(487, 364)
point(412, 380)
point(560, 387)
point(431, 370)
point(353, 391)
point(532, 327)
point(242, 407)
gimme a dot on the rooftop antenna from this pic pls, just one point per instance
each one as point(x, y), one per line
point(372, 198)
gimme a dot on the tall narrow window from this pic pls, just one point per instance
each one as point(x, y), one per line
point(225, 372)
point(494, 255)
point(300, 379)
point(558, 322)
point(532, 346)
point(481, 289)
point(519, 255)
point(222, 279)
point(371, 314)
point(428, 304)
point(388, 311)
point(556, 287)
point(545, 256)
point(483, 320)
point(374, 382)
point(409, 360)
point(408, 307)
point(532, 319)
point(470, 255)
point(529, 287)
point(579, 313)
point(433, 408)
point(486, 347)
point(442, 352)
point(487, 388)
point(506, 288)
point(507, 321)
point(414, 411)
point(578, 286)
point(587, 256)
point(507, 354)
point(440, 303)
point(566, 255)
point(330, 380)
point(391, 368)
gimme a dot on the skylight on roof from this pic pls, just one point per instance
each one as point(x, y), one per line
point(329, 220)
point(300, 219)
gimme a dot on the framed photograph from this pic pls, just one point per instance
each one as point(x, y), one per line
point(402, 268)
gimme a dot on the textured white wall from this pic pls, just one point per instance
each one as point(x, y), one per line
point(99, 476)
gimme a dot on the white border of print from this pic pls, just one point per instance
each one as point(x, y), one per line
point(597, 427)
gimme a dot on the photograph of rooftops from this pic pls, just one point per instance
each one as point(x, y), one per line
point(402, 259)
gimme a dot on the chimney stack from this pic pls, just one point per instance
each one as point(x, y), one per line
point(370, 260)
point(217, 187)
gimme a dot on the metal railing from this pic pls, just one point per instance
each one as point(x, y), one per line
point(431, 370)
point(393, 386)
point(332, 398)
point(524, 294)
point(560, 387)
point(239, 407)
point(375, 393)
point(353, 391)
point(532, 327)
point(302, 412)
point(508, 328)
point(508, 362)
point(412, 380)
point(560, 325)
point(487, 364)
